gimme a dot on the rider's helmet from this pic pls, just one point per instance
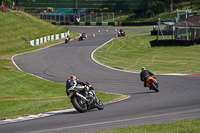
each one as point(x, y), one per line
point(72, 77)
point(143, 68)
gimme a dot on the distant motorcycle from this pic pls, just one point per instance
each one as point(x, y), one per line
point(152, 83)
point(67, 39)
point(84, 100)
point(82, 37)
point(121, 33)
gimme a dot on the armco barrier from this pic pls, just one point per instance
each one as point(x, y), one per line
point(48, 38)
point(164, 32)
point(86, 23)
point(107, 23)
point(172, 42)
point(139, 23)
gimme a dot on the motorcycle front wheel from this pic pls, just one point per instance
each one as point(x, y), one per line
point(100, 105)
point(79, 104)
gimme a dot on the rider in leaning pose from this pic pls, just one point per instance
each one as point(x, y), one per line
point(72, 83)
point(144, 74)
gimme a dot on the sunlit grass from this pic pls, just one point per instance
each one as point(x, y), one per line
point(22, 93)
point(132, 53)
point(184, 126)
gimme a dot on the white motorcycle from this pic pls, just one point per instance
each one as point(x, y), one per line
point(67, 39)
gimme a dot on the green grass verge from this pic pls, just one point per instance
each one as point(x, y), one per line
point(21, 93)
point(135, 52)
point(184, 126)
point(18, 28)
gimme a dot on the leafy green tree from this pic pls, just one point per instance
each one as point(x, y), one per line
point(158, 7)
point(27, 1)
point(6, 2)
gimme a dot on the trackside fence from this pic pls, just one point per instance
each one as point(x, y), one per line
point(48, 38)
point(78, 17)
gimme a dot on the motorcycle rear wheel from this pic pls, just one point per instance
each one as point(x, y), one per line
point(79, 104)
point(154, 87)
point(100, 105)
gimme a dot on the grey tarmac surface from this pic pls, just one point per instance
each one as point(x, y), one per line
point(178, 98)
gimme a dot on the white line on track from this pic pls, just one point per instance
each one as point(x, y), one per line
point(30, 117)
point(119, 121)
point(92, 56)
point(41, 114)
point(68, 110)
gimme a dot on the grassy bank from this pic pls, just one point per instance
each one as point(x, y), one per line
point(18, 28)
point(135, 52)
point(21, 93)
point(184, 126)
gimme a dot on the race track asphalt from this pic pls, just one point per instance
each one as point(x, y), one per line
point(178, 98)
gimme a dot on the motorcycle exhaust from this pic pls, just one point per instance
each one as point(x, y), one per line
point(81, 96)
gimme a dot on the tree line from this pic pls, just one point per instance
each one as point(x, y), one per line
point(162, 5)
point(9, 2)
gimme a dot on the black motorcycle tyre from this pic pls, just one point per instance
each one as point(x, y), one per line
point(77, 105)
point(154, 87)
point(100, 105)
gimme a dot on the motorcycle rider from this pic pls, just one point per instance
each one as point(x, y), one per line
point(72, 82)
point(83, 35)
point(67, 38)
point(120, 32)
point(144, 74)
point(154, 28)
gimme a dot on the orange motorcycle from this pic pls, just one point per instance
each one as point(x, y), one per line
point(152, 83)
